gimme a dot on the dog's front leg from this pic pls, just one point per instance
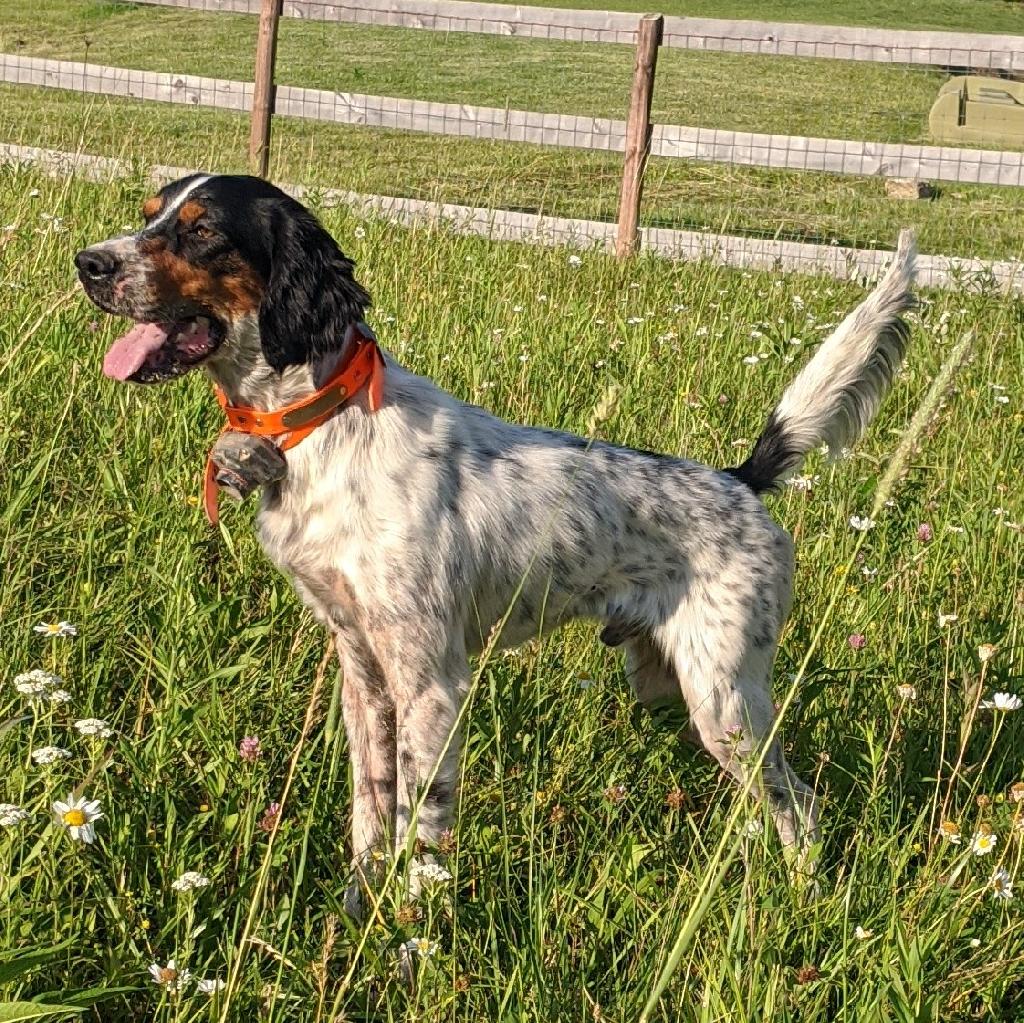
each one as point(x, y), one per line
point(370, 726)
point(429, 689)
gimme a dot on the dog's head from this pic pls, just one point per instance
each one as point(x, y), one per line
point(218, 259)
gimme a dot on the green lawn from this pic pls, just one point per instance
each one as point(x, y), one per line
point(1002, 16)
point(564, 903)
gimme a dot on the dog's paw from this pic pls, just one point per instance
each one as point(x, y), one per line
point(244, 462)
point(368, 872)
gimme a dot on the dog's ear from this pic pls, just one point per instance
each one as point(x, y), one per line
point(311, 296)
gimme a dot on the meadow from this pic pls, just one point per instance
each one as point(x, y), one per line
point(602, 869)
point(590, 836)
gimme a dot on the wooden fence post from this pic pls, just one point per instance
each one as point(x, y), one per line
point(263, 88)
point(638, 132)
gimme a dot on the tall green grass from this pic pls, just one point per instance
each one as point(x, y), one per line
point(566, 898)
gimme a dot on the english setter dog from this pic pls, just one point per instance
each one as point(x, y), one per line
point(413, 529)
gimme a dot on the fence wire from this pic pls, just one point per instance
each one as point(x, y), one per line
point(764, 133)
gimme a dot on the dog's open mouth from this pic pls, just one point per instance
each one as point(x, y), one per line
point(151, 352)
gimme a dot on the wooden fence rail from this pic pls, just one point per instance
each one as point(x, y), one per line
point(708, 145)
point(838, 261)
point(890, 46)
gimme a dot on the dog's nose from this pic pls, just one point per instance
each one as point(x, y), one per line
point(97, 263)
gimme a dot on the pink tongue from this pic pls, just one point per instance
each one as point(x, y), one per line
point(129, 352)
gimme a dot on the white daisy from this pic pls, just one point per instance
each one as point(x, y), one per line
point(1002, 884)
point(432, 873)
point(423, 947)
point(50, 754)
point(575, 261)
point(984, 842)
point(77, 815)
point(37, 683)
point(55, 630)
point(360, 232)
point(861, 525)
point(11, 814)
point(1005, 702)
point(169, 976)
point(94, 726)
point(210, 985)
point(190, 881)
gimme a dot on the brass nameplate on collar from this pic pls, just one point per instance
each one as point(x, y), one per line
point(324, 403)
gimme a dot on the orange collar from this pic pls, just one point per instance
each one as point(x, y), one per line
point(295, 422)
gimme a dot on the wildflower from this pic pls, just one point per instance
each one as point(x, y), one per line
point(1002, 884)
point(868, 572)
point(431, 873)
point(37, 684)
point(906, 691)
point(634, 320)
point(11, 814)
point(755, 827)
point(94, 727)
point(676, 799)
point(77, 815)
point(924, 532)
point(190, 881)
point(1017, 792)
point(423, 947)
point(575, 261)
point(807, 974)
point(751, 360)
point(249, 749)
point(408, 914)
point(359, 232)
point(803, 483)
point(210, 985)
point(856, 640)
point(862, 933)
point(975, 943)
point(58, 696)
point(861, 525)
point(268, 821)
point(984, 841)
point(50, 754)
point(169, 976)
point(949, 619)
point(1004, 702)
point(986, 652)
point(950, 832)
point(55, 630)
point(616, 794)
point(1003, 399)
point(446, 844)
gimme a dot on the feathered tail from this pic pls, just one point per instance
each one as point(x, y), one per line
point(837, 393)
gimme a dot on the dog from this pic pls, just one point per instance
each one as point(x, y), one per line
point(423, 531)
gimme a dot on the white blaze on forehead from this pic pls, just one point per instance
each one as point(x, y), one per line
point(171, 208)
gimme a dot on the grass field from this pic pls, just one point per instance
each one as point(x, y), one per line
point(565, 903)
point(811, 97)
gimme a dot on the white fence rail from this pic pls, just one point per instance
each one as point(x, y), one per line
point(507, 225)
point(890, 46)
point(788, 152)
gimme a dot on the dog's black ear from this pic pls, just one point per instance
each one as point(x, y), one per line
point(310, 296)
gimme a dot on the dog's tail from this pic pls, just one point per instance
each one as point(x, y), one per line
point(837, 393)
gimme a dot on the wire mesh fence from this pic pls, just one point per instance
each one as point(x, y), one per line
point(790, 134)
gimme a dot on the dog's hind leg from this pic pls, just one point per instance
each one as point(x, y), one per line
point(722, 650)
